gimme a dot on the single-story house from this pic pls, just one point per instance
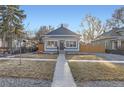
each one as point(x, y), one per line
point(111, 40)
point(61, 39)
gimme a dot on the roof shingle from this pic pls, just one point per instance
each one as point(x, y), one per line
point(61, 31)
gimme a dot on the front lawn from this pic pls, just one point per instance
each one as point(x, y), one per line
point(85, 71)
point(83, 57)
point(28, 69)
point(41, 56)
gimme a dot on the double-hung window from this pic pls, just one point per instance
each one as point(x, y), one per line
point(51, 44)
point(71, 44)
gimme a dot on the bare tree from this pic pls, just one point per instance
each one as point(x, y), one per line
point(117, 19)
point(42, 31)
point(92, 27)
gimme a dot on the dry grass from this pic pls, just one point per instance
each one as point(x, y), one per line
point(83, 57)
point(97, 71)
point(42, 56)
point(28, 69)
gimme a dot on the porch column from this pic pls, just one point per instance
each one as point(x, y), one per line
point(106, 44)
point(119, 43)
point(113, 45)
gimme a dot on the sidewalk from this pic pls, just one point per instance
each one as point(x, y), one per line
point(62, 75)
point(28, 59)
point(91, 61)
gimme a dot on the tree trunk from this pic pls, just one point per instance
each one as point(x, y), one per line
point(20, 51)
point(10, 44)
point(4, 40)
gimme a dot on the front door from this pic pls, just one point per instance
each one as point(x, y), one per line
point(61, 45)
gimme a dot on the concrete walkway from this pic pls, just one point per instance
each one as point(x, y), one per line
point(62, 75)
point(96, 61)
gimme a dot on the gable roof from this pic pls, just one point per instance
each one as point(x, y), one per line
point(61, 31)
point(114, 32)
point(111, 33)
point(120, 29)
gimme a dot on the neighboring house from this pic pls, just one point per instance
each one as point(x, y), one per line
point(2, 44)
point(15, 44)
point(111, 40)
point(61, 39)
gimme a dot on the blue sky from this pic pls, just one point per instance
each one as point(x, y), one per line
point(54, 15)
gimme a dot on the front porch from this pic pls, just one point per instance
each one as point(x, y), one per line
point(55, 45)
point(117, 47)
point(117, 44)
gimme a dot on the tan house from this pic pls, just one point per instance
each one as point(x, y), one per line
point(111, 40)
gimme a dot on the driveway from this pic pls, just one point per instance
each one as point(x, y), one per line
point(112, 57)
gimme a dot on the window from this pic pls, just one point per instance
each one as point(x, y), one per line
point(51, 44)
point(105, 44)
point(71, 44)
point(114, 45)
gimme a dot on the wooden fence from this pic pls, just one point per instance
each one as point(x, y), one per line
point(92, 48)
point(40, 47)
point(3, 49)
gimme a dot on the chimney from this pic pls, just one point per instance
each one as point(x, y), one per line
point(62, 25)
point(114, 28)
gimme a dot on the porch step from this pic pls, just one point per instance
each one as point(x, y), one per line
point(61, 52)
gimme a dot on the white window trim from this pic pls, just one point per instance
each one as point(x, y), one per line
point(70, 47)
point(113, 45)
point(119, 43)
point(106, 43)
point(51, 40)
